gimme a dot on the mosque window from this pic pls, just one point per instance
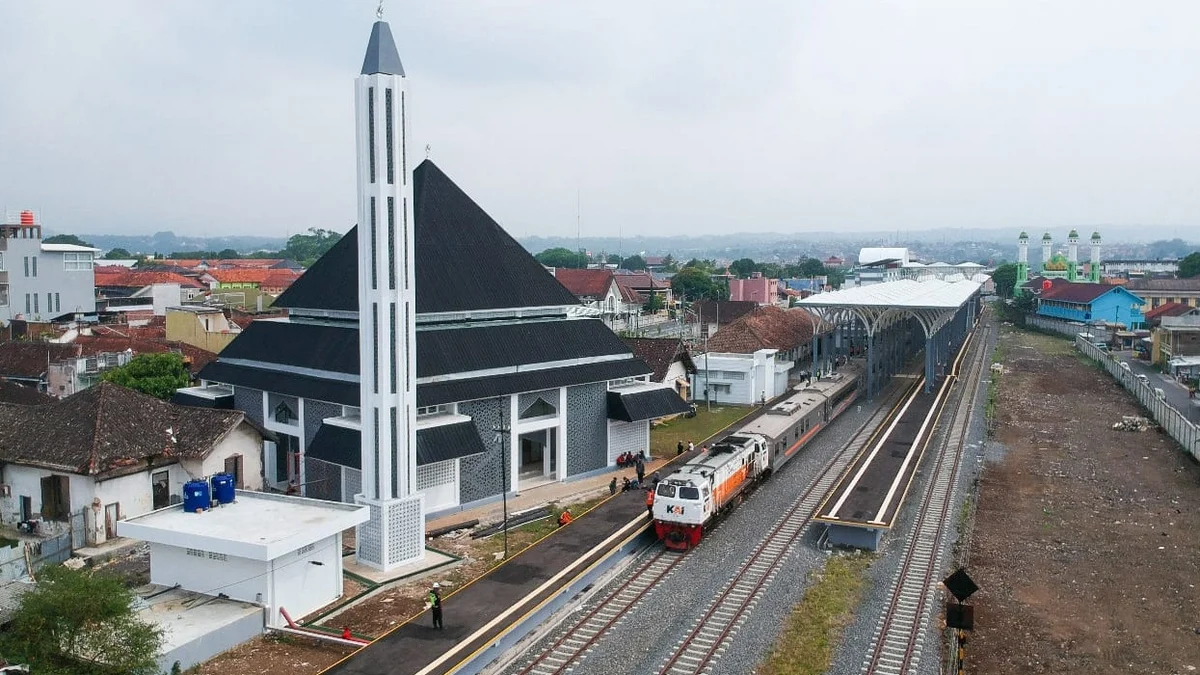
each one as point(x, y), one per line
point(387, 98)
point(371, 129)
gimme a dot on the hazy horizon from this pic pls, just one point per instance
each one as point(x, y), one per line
point(676, 118)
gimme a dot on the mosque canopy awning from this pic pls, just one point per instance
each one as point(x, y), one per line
point(634, 404)
point(342, 445)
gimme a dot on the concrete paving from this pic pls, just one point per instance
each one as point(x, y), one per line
point(1176, 394)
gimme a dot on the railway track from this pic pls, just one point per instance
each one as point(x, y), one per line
point(719, 622)
point(896, 647)
point(579, 635)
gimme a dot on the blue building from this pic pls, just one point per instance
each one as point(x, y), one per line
point(1060, 299)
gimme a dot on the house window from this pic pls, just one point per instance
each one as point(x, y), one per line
point(57, 303)
point(56, 498)
point(721, 389)
point(35, 303)
point(284, 414)
point(27, 305)
point(160, 489)
point(34, 260)
point(73, 262)
point(425, 411)
point(26, 260)
point(391, 223)
point(49, 302)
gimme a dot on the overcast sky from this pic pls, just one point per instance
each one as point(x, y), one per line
point(668, 117)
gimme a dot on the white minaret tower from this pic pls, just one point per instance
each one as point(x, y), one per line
point(395, 535)
point(1023, 249)
point(1047, 244)
point(1073, 247)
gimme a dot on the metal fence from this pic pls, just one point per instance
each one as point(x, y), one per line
point(1171, 420)
point(1069, 328)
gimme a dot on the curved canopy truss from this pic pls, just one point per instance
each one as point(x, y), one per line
point(933, 303)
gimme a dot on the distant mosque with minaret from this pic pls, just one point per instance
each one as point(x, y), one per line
point(1057, 265)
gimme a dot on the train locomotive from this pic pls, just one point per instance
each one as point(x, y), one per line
point(687, 501)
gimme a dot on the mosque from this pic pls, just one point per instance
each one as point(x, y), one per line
point(1056, 265)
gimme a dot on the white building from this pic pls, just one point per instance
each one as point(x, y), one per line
point(742, 379)
point(280, 552)
point(109, 452)
point(39, 281)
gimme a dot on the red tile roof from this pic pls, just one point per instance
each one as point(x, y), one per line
point(243, 318)
point(767, 327)
point(29, 360)
point(91, 345)
point(1079, 293)
point(15, 393)
point(255, 276)
point(1168, 309)
point(279, 279)
point(640, 280)
point(585, 283)
point(660, 353)
point(130, 279)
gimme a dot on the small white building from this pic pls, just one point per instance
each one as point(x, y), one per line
point(276, 551)
point(742, 379)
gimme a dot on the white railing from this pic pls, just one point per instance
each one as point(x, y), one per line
point(1168, 417)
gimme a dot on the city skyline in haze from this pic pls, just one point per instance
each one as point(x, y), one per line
point(678, 118)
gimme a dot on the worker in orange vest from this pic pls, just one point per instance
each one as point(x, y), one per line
point(650, 502)
point(565, 518)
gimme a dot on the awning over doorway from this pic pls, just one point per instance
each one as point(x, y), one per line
point(644, 403)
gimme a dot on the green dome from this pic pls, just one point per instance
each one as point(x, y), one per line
point(1073, 234)
point(1023, 236)
point(1046, 237)
point(1095, 236)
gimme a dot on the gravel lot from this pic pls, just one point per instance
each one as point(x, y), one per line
point(1086, 538)
point(647, 636)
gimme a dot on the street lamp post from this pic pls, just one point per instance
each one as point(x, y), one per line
point(502, 432)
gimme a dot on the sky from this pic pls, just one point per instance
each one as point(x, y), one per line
point(617, 117)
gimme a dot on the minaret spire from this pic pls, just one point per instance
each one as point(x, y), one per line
point(386, 311)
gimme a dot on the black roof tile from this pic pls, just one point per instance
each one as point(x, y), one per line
point(341, 445)
point(289, 384)
point(464, 260)
point(645, 405)
point(498, 385)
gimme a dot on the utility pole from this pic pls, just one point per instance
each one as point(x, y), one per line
point(502, 432)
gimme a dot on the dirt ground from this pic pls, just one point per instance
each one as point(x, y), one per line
point(1086, 539)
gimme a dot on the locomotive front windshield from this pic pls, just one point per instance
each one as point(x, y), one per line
point(665, 490)
point(689, 492)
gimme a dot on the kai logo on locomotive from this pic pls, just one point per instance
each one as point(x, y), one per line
point(675, 509)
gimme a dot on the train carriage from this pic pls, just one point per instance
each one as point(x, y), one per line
point(687, 501)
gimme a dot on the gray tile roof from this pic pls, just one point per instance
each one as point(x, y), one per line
point(382, 56)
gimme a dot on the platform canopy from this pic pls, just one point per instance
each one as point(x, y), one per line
point(932, 302)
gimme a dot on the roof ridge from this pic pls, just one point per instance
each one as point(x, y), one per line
point(92, 458)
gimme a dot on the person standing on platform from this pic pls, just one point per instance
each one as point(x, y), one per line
point(679, 449)
point(650, 502)
point(641, 470)
point(612, 486)
point(691, 446)
point(435, 604)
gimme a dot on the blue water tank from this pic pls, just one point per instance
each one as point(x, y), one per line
point(222, 488)
point(196, 496)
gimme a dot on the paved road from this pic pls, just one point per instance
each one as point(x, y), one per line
point(1177, 394)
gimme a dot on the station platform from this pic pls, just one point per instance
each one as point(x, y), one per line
point(864, 502)
point(480, 613)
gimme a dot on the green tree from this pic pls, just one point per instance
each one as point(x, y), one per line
point(118, 254)
point(811, 267)
point(708, 265)
point(1005, 278)
point(65, 239)
point(562, 257)
point(158, 375)
point(742, 267)
point(228, 254)
point(771, 270)
point(654, 304)
point(306, 248)
point(694, 284)
point(635, 263)
point(835, 277)
point(1024, 303)
point(670, 264)
point(613, 259)
point(76, 622)
point(1189, 266)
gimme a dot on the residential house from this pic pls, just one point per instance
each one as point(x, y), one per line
point(1132, 268)
point(836, 262)
point(128, 291)
point(1155, 316)
point(207, 328)
point(670, 360)
point(1089, 302)
point(712, 314)
point(27, 363)
point(595, 288)
point(11, 392)
point(40, 281)
point(645, 285)
point(757, 289)
point(278, 280)
point(1176, 337)
point(109, 453)
point(1157, 292)
point(72, 375)
point(237, 278)
point(752, 359)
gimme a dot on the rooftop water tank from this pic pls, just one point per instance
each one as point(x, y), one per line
point(27, 217)
point(196, 496)
point(222, 488)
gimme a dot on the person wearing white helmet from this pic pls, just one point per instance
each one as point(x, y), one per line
point(434, 602)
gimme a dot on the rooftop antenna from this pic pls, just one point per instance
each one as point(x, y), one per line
point(428, 150)
point(578, 221)
point(379, 11)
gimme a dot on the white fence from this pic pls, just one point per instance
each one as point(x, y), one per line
point(1171, 420)
point(1071, 329)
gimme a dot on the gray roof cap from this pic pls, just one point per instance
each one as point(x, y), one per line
point(382, 56)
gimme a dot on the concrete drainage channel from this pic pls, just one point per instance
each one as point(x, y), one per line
point(500, 655)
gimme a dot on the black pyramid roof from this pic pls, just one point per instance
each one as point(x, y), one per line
point(464, 260)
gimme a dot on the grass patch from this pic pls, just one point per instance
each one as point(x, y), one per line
point(522, 537)
point(665, 436)
point(805, 647)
